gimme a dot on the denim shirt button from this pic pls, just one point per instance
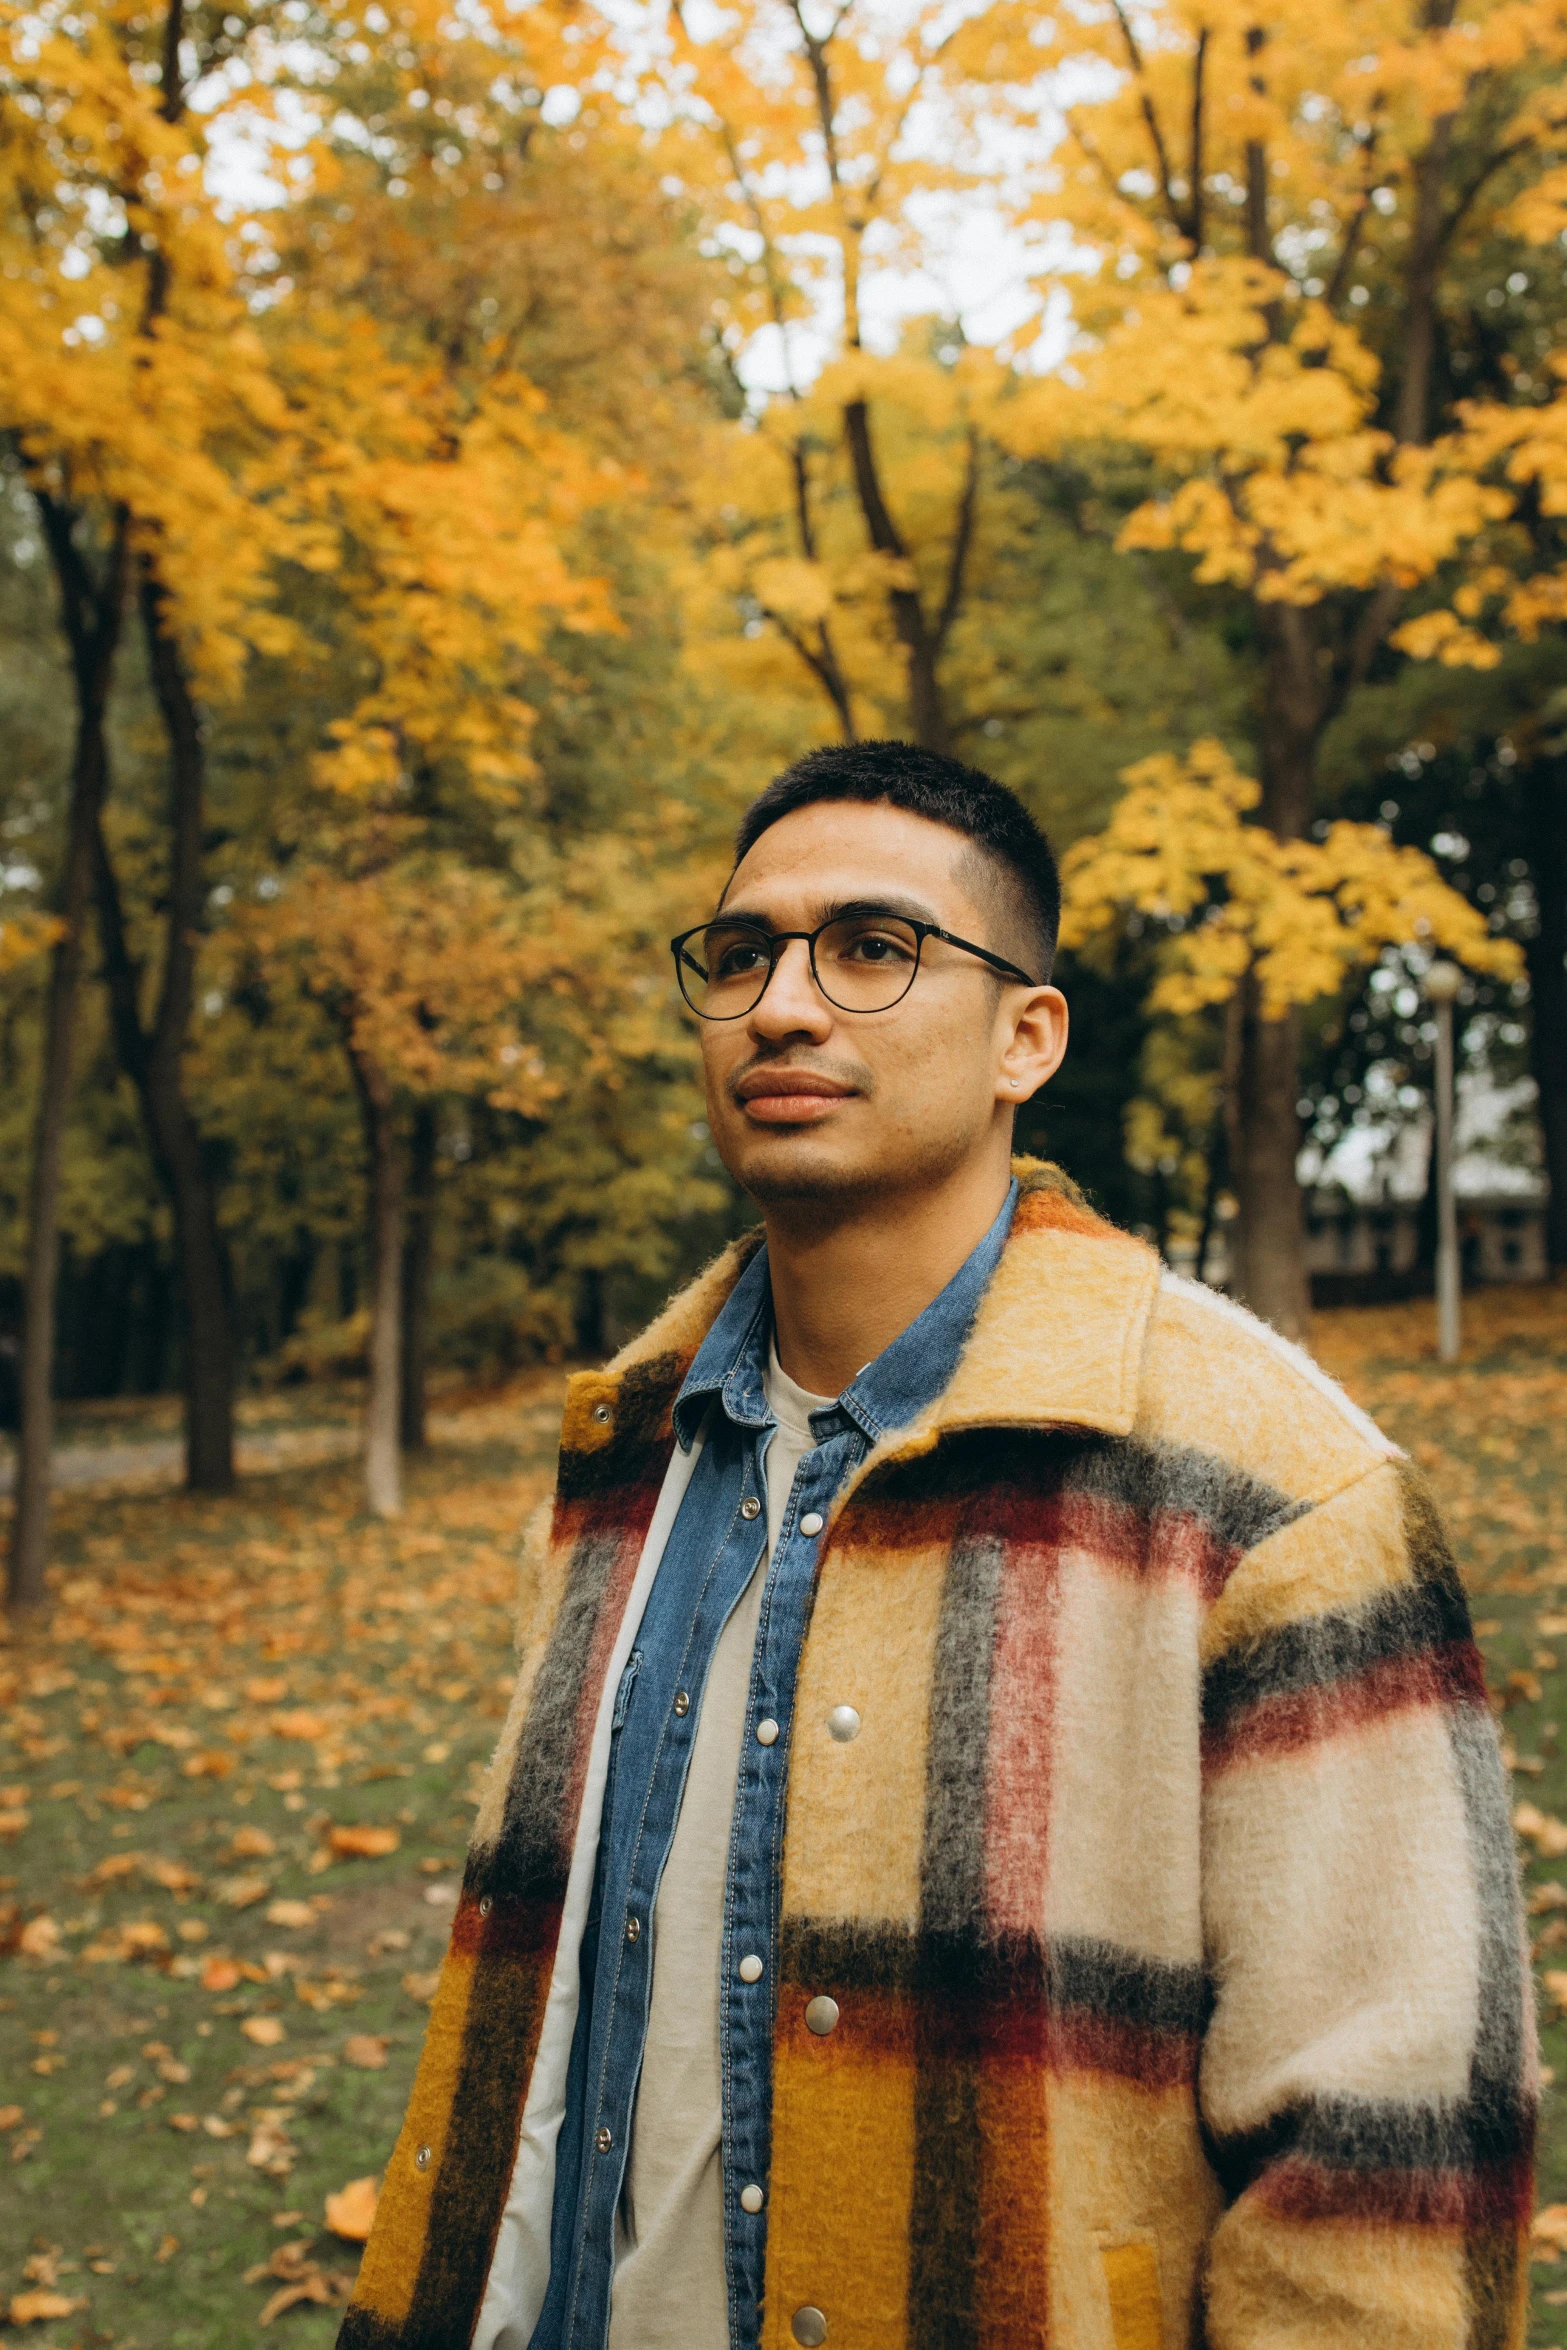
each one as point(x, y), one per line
point(767, 1732)
point(812, 1522)
point(750, 1507)
point(751, 2198)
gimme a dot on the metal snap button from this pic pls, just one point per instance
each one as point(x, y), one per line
point(812, 1523)
point(682, 1701)
point(603, 2139)
point(821, 2015)
point(809, 2327)
point(844, 1723)
point(750, 1968)
point(751, 2198)
point(421, 2158)
point(633, 1929)
point(767, 1732)
point(750, 1507)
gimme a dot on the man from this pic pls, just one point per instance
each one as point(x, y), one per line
point(999, 1840)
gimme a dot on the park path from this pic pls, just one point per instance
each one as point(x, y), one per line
point(526, 1409)
point(160, 1460)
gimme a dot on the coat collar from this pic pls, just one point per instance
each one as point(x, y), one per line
point(1057, 1341)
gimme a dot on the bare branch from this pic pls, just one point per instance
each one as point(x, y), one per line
point(1194, 212)
point(1339, 281)
point(823, 665)
point(1493, 164)
point(961, 543)
point(1155, 133)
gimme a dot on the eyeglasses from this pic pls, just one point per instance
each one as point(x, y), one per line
point(864, 962)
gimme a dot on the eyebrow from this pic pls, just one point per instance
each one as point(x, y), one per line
point(834, 909)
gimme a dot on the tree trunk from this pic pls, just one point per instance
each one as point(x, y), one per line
point(383, 1415)
point(1545, 805)
point(1268, 1271)
point(1268, 1247)
point(155, 1063)
point(92, 614)
point(418, 1254)
point(927, 711)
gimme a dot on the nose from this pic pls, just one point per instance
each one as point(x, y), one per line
point(792, 1003)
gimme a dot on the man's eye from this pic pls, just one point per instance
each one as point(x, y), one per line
point(873, 946)
point(738, 959)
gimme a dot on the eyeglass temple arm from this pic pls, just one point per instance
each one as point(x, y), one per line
point(996, 962)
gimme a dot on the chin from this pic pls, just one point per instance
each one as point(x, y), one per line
point(784, 1168)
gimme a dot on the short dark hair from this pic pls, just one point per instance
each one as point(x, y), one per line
point(925, 783)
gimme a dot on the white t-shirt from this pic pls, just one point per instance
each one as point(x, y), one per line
point(670, 2290)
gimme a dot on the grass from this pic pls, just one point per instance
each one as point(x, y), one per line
point(216, 2023)
point(216, 2026)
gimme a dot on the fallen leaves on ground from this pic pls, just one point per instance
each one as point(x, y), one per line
point(265, 2030)
point(303, 2281)
point(366, 2051)
point(350, 2213)
point(364, 1841)
point(1550, 2228)
point(242, 1892)
point(29, 2308)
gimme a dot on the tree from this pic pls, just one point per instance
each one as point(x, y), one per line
point(1510, 592)
point(1275, 228)
point(1252, 918)
point(420, 965)
point(117, 416)
point(801, 133)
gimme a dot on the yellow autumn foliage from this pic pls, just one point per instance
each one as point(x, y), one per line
point(1181, 849)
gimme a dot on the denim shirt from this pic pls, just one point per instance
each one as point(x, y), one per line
point(714, 1548)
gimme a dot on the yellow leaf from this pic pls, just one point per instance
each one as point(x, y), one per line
point(30, 2308)
point(350, 2212)
point(291, 1913)
point(367, 1842)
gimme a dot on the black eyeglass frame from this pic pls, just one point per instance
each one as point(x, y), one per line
point(776, 940)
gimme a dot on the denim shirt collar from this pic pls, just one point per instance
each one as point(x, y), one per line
point(888, 1393)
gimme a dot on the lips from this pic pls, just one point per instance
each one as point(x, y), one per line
point(789, 1097)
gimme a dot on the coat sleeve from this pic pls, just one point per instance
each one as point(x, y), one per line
point(1369, 2074)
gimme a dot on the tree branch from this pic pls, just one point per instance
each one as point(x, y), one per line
point(1257, 237)
point(885, 536)
point(1150, 118)
point(823, 665)
point(1494, 163)
point(171, 104)
point(1194, 216)
point(121, 971)
point(961, 543)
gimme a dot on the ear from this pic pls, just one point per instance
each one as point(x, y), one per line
point(1033, 1042)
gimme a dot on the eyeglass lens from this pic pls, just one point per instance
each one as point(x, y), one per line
point(864, 963)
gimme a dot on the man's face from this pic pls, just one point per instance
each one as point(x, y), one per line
point(811, 1103)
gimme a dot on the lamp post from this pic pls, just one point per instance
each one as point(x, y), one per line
point(1442, 983)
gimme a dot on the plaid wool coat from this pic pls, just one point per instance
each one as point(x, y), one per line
point(1167, 1892)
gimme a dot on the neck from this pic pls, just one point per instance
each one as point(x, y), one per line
point(849, 1278)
